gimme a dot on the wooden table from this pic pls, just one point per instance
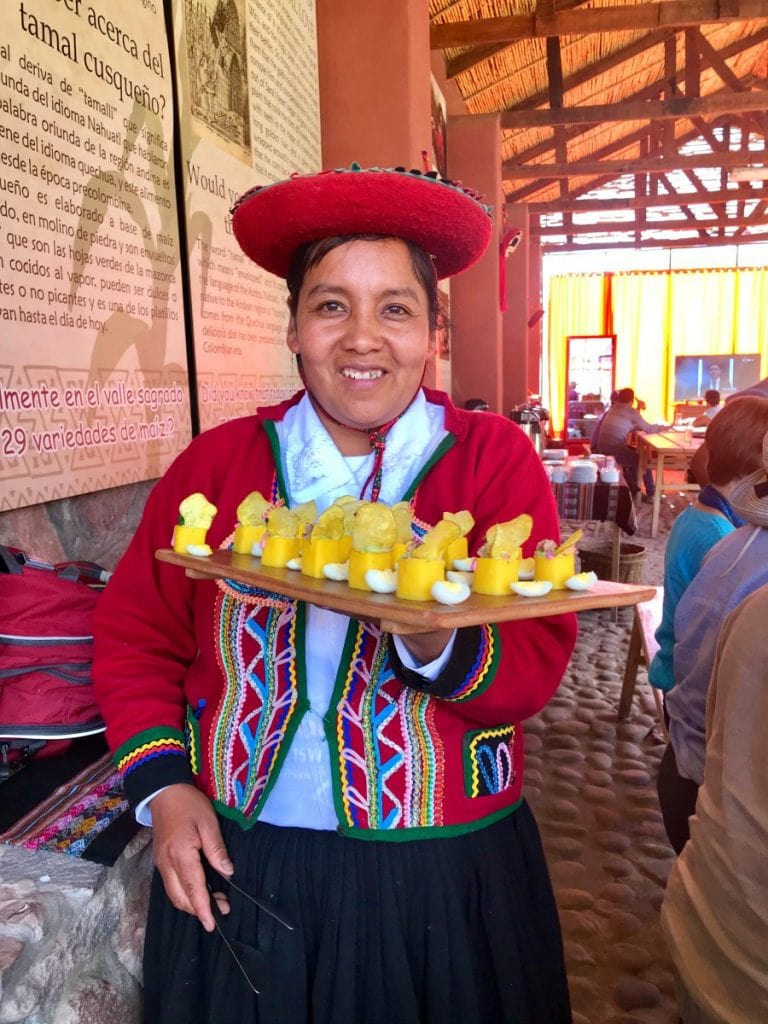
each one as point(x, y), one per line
point(669, 449)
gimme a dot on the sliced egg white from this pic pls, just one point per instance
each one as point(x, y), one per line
point(464, 564)
point(532, 588)
point(293, 563)
point(527, 569)
point(199, 550)
point(381, 581)
point(256, 549)
point(459, 577)
point(336, 570)
point(447, 592)
point(581, 581)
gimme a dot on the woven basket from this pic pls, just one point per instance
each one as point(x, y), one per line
point(598, 560)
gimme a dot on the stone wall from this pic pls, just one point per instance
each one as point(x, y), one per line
point(71, 936)
point(95, 527)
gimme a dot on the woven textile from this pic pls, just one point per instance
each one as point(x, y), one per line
point(604, 502)
point(71, 818)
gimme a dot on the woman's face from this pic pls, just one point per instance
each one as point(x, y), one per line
point(362, 331)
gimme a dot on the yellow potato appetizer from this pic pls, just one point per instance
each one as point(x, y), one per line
point(381, 581)
point(527, 570)
point(504, 539)
point(329, 524)
point(306, 513)
point(373, 528)
point(283, 522)
point(196, 510)
point(532, 588)
point(446, 592)
point(436, 540)
point(252, 509)
point(403, 520)
point(581, 581)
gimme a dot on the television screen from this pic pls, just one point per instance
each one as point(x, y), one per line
point(696, 374)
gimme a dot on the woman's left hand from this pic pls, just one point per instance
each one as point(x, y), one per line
point(425, 647)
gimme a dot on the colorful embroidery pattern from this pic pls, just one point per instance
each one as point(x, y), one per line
point(256, 650)
point(74, 814)
point(489, 760)
point(146, 752)
point(387, 744)
point(483, 669)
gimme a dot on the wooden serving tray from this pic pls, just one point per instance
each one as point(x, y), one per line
point(391, 613)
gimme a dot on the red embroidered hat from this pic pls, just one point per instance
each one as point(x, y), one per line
point(442, 217)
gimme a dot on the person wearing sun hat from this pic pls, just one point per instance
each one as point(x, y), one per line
point(715, 910)
point(368, 786)
point(735, 567)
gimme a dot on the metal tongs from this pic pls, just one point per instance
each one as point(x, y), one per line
point(251, 961)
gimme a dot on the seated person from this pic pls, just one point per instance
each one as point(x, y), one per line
point(595, 436)
point(734, 440)
point(715, 910)
point(622, 419)
point(735, 567)
point(712, 398)
point(698, 468)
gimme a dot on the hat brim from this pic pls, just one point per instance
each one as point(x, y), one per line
point(746, 502)
point(448, 223)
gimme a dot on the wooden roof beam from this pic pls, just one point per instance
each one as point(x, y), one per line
point(470, 58)
point(637, 110)
point(732, 50)
point(673, 198)
point(653, 243)
point(651, 165)
point(617, 145)
point(599, 67)
point(622, 18)
point(678, 224)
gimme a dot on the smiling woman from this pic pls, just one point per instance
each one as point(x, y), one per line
point(369, 785)
point(361, 329)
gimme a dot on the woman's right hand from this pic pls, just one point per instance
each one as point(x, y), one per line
point(184, 827)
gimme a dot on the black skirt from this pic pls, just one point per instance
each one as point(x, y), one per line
point(431, 931)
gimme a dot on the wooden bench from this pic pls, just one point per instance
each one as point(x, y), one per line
point(642, 648)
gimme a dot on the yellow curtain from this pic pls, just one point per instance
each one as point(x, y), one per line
point(641, 325)
point(752, 315)
point(656, 316)
point(577, 305)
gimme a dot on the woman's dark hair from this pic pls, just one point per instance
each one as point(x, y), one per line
point(309, 255)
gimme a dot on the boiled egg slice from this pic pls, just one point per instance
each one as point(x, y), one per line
point(581, 581)
point(256, 548)
point(381, 581)
point(293, 563)
point(464, 564)
point(532, 588)
point(459, 577)
point(446, 592)
point(199, 550)
point(527, 569)
point(336, 571)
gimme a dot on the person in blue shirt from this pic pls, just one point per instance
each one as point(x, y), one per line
point(734, 441)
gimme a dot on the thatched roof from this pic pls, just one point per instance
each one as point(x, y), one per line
point(626, 115)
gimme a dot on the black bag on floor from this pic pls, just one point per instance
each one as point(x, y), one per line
point(46, 649)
